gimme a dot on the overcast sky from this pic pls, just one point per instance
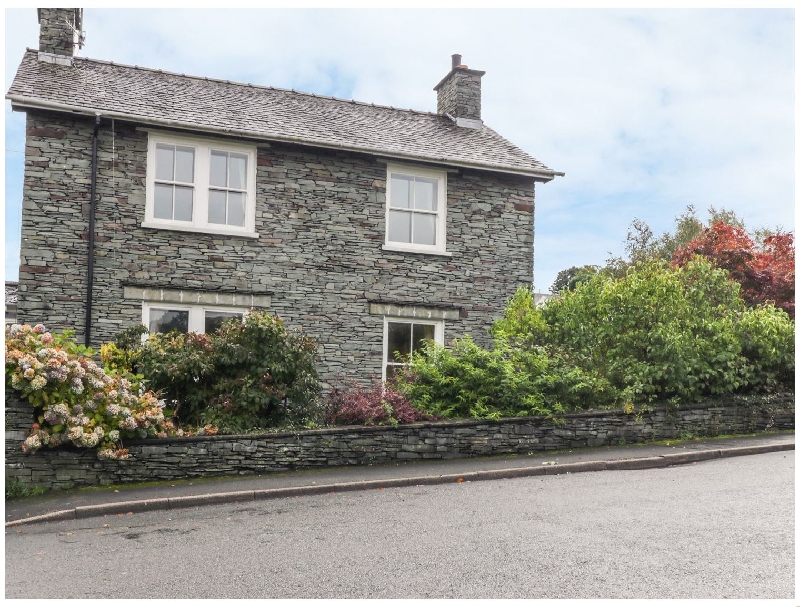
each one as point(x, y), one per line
point(645, 111)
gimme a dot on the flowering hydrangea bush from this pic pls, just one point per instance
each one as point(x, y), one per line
point(75, 400)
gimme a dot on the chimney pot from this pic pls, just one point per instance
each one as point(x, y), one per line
point(456, 61)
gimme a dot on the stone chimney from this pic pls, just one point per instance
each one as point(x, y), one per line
point(60, 31)
point(459, 95)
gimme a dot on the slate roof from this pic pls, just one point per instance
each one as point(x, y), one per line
point(157, 97)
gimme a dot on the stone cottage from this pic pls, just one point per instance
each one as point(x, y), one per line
point(179, 201)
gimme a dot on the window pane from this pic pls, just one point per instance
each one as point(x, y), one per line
point(235, 209)
point(162, 208)
point(184, 164)
point(424, 229)
point(183, 203)
point(421, 332)
point(425, 194)
point(399, 340)
point(399, 226)
point(214, 320)
point(164, 321)
point(219, 169)
point(165, 161)
point(238, 177)
point(216, 206)
point(401, 191)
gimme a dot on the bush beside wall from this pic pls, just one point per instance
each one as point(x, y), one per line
point(175, 458)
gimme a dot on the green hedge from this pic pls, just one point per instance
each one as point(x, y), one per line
point(659, 333)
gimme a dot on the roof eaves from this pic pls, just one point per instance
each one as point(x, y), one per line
point(21, 101)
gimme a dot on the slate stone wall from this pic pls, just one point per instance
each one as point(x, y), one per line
point(357, 445)
point(57, 32)
point(460, 95)
point(318, 261)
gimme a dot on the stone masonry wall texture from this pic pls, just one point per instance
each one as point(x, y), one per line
point(460, 95)
point(319, 259)
point(57, 31)
point(359, 445)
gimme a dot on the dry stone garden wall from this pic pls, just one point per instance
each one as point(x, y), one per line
point(358, 445)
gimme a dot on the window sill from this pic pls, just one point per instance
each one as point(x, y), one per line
point(401, 249)
point(200, 230)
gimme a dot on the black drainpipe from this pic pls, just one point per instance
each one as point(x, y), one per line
point(92, 204)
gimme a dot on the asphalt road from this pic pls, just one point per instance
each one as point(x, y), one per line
point(715, 529)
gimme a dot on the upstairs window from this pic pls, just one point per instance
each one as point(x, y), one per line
point(174, 182)
point(200, 185)
point(415, 210)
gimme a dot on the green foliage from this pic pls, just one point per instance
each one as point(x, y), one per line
point(253, 373)
point(522, 321)
point(173, 365)
point(264, 372)
point(767, 337)
point(469, 381)
point(16, 489)
point(659, 333)
point(572, 277)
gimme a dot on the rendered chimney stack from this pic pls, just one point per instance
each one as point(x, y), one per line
point(60, 31)
point(459, 94)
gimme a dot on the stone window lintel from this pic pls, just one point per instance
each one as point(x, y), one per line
point(420, 312)
point(189, 297)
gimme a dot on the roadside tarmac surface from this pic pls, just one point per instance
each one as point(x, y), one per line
point(163, 495)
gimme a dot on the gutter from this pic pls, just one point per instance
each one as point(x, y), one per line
point(41, 104)
point(90, 261)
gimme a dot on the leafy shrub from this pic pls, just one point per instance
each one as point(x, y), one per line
point(250, 374)
point(469, 381)
point(75, 401)
point(767, 338)
point(375, 405)
point(660, 332)
point(172, 364)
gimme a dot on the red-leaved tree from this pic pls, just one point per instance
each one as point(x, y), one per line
point(765, 275)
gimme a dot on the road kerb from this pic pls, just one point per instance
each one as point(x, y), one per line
point(50, 517)
point(160, 503)
point(755, 449)
point(189, 501)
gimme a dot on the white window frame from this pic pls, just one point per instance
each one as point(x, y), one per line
point(440, 248)
point(197, 314)
point(202, 169)
point(438, 335)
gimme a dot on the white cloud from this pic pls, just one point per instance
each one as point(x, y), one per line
point(645, 110)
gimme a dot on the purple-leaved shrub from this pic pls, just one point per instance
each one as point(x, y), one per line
point(374, 405)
